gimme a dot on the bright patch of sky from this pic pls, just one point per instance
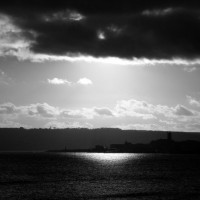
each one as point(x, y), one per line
point(91, 94)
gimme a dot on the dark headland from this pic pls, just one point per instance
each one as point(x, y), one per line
point(98, 140)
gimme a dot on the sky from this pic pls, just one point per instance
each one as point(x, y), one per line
point(92, 64)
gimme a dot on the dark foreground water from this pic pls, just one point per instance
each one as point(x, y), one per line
point(99, 176)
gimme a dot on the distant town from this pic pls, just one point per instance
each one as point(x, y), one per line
point(167, 145)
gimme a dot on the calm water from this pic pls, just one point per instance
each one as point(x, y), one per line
point(99, 176)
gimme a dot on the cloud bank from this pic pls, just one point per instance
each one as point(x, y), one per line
point(159, 30)
point(127, 114)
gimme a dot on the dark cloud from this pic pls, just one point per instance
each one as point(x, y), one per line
point(126, 29)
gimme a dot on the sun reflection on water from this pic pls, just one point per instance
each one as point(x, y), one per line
point(108, 158)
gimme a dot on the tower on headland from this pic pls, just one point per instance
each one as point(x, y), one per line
point(169, 136)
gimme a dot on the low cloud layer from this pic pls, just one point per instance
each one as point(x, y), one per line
point(123, 29)
point(127, 114)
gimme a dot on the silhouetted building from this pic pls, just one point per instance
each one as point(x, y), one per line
point(99, 148)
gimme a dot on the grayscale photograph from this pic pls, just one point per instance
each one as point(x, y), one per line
point(99, 100)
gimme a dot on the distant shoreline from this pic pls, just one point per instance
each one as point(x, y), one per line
point(96, 140)
point(163, 146)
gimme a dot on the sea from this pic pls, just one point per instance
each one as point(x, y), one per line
point(73, 176)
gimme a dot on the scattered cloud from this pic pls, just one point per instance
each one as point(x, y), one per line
point(8, 108)
point(83, 113)
point(58, 81)
point(84, 81)
point(11, 37)
point(161, 12)
point(63, 16)
point(101, 35)
point(42, 110)
point(193, 101)
point(136, 108)
point(39, 109)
